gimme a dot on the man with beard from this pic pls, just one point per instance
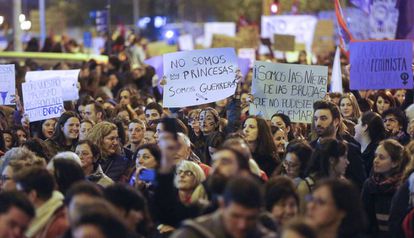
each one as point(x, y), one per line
point(327, 123)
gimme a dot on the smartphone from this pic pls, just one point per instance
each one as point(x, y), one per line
point(147, 175)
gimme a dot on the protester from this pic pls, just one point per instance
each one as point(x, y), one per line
point(66, 134)
point(369, 132)
point(242, 196)
point(50, 220)
point(114, 164)
point(89, 156)
point(16, 213)
point(335, 210)
point(390, 160)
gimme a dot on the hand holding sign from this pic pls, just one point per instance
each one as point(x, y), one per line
point(199, 76)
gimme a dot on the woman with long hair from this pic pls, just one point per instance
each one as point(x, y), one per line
point(380, 187)
point(369, 132)
point(259, 137)
point(66, 134)
point(114, 164)
point(329, 160)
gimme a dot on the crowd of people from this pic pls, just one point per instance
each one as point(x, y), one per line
point(118, 164)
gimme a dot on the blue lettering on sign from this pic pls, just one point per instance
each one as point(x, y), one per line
point(52, 110)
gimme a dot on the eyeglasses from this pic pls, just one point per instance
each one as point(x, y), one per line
point(317, 201)
point(187, 173)
point(4, 178)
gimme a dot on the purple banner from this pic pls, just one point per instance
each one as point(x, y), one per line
point(244, 66)
point(381, 65)
point(156, 62)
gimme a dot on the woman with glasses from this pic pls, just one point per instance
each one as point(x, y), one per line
point(329, 160)
point(379, 189)
point(188, 175)
point(395, 123)
point(298, 155)
point(334, 210)
point(113, 162)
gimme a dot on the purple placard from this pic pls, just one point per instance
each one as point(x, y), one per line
point(244, 66)
point(381, 65)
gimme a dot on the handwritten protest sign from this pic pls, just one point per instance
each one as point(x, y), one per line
point(284, 42)
point(68, 78)
point(199, 76)
point(381, 65)
point(7, 84)
point(383, 19)
point(287, 88)
point(42, 99)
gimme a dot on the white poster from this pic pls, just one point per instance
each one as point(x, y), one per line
point(287, 88)
point(42, 99)
point(68, 78)
point(222, 28)
point(199, 76)
point(185, 42)
point(7, 84)
point(301, 26)
point(383, 19)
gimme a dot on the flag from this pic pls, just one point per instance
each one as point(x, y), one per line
point(345, 36)
point(364, 5)
point(336, 79)
point(405, 27)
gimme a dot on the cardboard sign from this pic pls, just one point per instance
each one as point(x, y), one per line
point(284, 42)
point(287, 88)
point(7, 84)
point(301, 26)
point(222, 41)
point(42, 99)
point(223, 28)
point(68, 78)
point(381, 65)
point(323, 40)
point(249, 36)
point(199, 77)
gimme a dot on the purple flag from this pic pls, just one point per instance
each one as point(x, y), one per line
point(405, 28)
point(364, 5)
point(244, 66)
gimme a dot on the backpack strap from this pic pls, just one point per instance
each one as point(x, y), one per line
point(310, 182)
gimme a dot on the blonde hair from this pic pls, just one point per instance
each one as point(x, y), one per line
point(356, 112)
point(194, 168)
point(20, 157)
point(97, 134)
